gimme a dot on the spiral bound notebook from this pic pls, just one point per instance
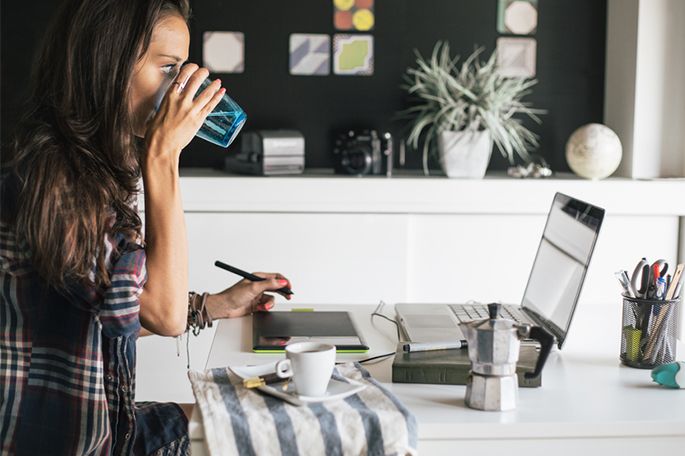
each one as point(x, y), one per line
point(272, 331)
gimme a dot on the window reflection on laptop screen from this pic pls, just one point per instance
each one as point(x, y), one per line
point(562, 261)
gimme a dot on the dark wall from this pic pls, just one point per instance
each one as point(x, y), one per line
point(571, 37)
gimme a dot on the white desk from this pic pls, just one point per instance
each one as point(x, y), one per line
point(588, 401)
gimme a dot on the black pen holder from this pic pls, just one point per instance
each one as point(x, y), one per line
point(648, 336)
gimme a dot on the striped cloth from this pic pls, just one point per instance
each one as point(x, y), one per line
point(240, 421)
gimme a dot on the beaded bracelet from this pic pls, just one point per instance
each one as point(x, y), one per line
point(198, 315)
point(205, 311)
point(198, 319)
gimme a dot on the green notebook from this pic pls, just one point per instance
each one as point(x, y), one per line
point(451, 367)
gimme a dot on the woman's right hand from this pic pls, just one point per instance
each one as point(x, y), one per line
point(180, 116)
point(246, 296)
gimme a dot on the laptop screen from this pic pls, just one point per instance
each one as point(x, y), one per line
point(561, 263)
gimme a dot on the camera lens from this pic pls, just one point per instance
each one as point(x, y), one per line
point(357, 160)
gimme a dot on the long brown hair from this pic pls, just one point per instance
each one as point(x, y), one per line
point(75, 162)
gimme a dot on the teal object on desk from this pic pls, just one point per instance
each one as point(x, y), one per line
point(671, 375)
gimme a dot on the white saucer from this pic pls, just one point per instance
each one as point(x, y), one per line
point(336, 389)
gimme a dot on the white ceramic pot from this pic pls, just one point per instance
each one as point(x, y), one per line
point(465, 153)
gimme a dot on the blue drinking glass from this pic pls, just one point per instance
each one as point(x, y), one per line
point(222, 125)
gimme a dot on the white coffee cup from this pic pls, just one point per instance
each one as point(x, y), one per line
point(312, 365)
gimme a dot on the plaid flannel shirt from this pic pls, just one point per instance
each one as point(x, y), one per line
point(67, 363)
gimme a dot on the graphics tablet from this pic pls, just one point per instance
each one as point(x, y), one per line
point(272, 331)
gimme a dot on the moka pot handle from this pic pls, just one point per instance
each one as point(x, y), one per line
point(546, 341)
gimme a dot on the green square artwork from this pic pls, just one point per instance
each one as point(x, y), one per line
point(353, 55)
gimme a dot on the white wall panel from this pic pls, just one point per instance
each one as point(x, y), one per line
point(458, 258)
point(330, 258)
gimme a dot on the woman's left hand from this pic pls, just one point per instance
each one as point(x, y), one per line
point(246, 296)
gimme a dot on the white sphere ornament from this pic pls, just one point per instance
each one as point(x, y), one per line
point(594, 151)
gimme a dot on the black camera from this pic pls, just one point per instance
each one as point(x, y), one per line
point(361, 152)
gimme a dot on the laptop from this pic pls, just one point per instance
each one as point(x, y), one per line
point(553, 288)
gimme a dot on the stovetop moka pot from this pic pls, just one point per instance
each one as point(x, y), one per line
point(493, 346)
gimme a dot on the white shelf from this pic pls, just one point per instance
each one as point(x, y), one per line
point(206, 190)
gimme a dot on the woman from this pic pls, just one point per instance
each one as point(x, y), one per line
point(79, 281)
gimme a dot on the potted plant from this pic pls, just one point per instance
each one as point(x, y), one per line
point(467, 109)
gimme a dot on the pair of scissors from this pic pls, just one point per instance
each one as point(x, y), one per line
point(647, 277)
point(641, 275)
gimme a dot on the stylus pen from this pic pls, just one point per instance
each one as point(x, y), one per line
point(247, 275)
point(428, 346)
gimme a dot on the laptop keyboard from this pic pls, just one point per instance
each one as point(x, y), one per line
point(469, 312)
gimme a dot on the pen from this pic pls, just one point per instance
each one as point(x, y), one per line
point(268, 379)
point(623, 279)
point(660, 288)
point(429, 346)
point(247, 275)
point(668, 281)
point(674, 288)
point(656, 275)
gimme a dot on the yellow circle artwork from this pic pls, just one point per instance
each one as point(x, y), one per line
point(363, 20)
point(344, 5)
